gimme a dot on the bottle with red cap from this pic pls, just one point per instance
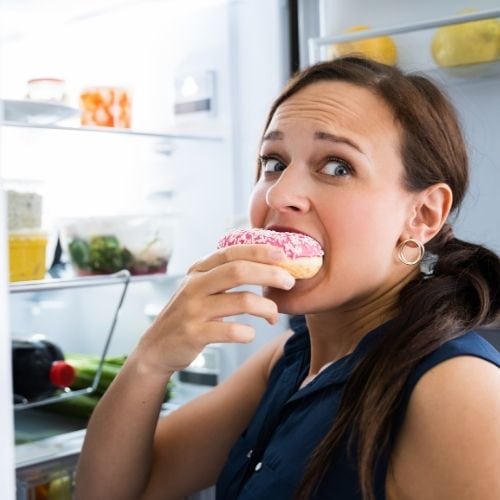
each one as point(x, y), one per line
point(39, 369)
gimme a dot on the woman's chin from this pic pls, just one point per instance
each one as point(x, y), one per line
point(287, 301)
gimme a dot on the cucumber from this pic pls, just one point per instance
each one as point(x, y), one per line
point(78, 406)
point(86, 368)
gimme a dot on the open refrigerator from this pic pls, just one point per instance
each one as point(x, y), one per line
point(189, 153)
point(198, 107)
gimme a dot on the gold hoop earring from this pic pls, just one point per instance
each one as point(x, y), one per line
point(415, 244)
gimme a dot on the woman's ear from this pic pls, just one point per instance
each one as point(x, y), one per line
point(430, 211)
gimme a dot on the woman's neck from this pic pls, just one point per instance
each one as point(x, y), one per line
point(336, 333)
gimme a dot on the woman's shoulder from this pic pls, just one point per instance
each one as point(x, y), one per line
point(470, 344)
point(450, 438)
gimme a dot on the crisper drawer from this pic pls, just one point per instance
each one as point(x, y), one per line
point(46, 461)
point(51, 480)
point(45, 468)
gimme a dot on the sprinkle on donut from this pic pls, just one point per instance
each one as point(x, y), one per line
point(295, 245)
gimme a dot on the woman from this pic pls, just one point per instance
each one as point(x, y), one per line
point(383, 391)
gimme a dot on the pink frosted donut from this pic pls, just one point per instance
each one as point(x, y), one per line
point(303, 254)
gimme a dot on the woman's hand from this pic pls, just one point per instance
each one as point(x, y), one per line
point(194, 317)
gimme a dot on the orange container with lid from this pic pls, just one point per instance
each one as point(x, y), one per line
point(27, 255)
point(106, 107)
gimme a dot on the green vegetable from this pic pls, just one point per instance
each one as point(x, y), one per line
point(79, 251)
point(107, 255)
point(86, 366)
point(86, 369)
point(78, 406)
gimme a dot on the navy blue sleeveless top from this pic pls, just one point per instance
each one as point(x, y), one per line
point(268, 460)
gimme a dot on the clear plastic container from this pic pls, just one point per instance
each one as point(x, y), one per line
point(47, 89)
point(140, 243)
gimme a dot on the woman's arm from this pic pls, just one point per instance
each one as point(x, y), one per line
point(192, 443)
point(123, 454)
point(449, 446)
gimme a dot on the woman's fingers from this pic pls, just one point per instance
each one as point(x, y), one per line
point(235, 303)
point(194, 316)
point(227, 331)
point(243, 272)
point(266, 254)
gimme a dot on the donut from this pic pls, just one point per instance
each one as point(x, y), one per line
point(303, 254)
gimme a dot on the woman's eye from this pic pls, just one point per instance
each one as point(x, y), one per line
point(337, 168)
point(272, 165)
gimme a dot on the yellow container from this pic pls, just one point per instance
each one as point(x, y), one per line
point(27, 255)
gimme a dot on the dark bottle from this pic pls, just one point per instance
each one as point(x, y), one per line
point(38, 369)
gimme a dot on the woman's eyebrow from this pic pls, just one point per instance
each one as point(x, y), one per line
point(277, 135)
point(273, 135)
point(326, 136)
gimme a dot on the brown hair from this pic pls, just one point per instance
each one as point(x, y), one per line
point(459, 291)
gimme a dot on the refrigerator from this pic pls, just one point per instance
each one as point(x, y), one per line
point(199, 82)
point(200, 75)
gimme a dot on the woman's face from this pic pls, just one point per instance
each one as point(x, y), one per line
point(331, 168)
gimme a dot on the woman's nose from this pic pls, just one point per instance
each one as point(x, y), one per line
point(289, 192)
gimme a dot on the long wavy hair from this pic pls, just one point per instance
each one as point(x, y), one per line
point(459, 291)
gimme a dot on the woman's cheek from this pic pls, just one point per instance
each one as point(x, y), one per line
point(257, 206)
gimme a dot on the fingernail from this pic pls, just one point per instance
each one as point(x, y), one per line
point(277, 253)
point(289, 282)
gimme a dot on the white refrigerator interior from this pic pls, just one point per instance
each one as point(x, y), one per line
point(201, 81)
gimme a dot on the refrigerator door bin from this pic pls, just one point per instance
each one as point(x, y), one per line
point(410, 38)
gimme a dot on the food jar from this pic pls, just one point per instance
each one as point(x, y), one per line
point(47, 89)
point(105, 107)
point(27, 249)
point(24, 204)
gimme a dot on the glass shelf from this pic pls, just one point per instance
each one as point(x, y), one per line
point(115, 131)
point(65, 283)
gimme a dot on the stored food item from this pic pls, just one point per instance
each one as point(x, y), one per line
point(39, 368)
point(86, 366)
point(47, 89)
point(27, 250)
point(381, 49)
point(24, 208)
point(102, 245)
point(303, 254)
point(467, 43)
point(58, 489)
point(105, 107)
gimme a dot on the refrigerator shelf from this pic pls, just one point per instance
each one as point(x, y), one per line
point(45, 437)
point(87, 281)
point(114, 131)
